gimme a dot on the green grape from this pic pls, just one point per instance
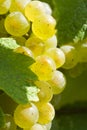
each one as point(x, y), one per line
point(10, 124)
point(51, 42)
point(57, 82)
point(4, 6)
point(16, 24)
point(47, 8)
point(48, 126)
point(82, 51)
point(24, 50)
point(37, 127)
point(34, 9)
point(26, 115)
point(71, 57)
point(36, 45)
point(57, 55)
point(45, 94)
point(46, 113)
point(44, 26)
point(21, 4)
point(43, 67)
point(13, 7)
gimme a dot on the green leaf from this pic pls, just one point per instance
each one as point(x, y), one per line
point(71, 15)
point(2, 120)
point(15, 75)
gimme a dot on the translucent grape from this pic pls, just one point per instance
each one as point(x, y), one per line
point(10, 124)
point(4, 6)
point(45, 94)
point(36, 45)
point(44, 27)
point(21, 4)
point(37, 127)
point(82, 52)
point(24, 50)
point(26, 115)
point(71, 57)
point(16, 24)
point(47, 8)
point(57, 55)
point(57, 82)
point(34, 9)
point(43, 67)
point(46, 113)
point(51, 42)
point(48, 126)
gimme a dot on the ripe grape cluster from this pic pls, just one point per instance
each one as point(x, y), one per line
point(32, 25)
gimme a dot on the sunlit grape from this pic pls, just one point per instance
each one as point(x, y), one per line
point(71, 57)
point(46, 112)
point(36, 45)
point(45, 94)
point(43, 67)
point(34, 9)
point(57, 55)
point(44, 27)
point(4, 6)
point(16, 24)
point(57, 82)
point(26, 115)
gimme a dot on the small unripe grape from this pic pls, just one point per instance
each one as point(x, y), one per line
point(26, 115)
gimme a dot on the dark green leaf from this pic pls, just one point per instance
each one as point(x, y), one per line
point(15, 75)
point(71, 16)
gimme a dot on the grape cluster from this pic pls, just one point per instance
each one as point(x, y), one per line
point(32, 25)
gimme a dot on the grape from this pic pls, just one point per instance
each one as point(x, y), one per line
point(47, 8)
point(57, 55)
point(16, 24)
point(51, 42)
point(45, 94)
point(43, 67)
point(82, 52)
point(57, 82)
point(37, 127)
point(34, 9)
point(26, 115)
point(24, 50)
point(44, 26)
point(71, 57)
point(9, 125)
point(21, 4)
point(4, 6)
point(48, 126)
point(46, 113)
point(36, 45)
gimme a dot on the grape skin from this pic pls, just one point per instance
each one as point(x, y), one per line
point(26, 115)
point(46, 31)
point(43, 67)
point(16, 24)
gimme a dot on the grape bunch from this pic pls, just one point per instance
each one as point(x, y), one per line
point(33, 26)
